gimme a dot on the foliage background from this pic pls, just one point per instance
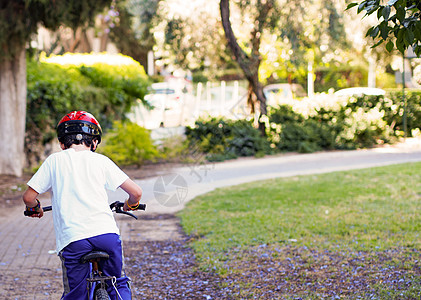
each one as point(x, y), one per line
point(109, 91)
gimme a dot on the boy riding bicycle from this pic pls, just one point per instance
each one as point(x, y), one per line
point(78, 179)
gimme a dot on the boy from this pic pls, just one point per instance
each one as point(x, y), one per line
point(78, 178)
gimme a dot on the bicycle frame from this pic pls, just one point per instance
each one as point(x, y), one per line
point(97, 282)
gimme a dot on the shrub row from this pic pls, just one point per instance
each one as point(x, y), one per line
point(356, 122)
point(327, 130)
point(223, 139)
point(350, 124)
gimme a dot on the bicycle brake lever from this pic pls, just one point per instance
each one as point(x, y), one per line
point(127, 213)
point(120, 211)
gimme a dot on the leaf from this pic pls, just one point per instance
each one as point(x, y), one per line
point(417, 33)
point(361, 6)
point(392, 2)
point(417, 50)
point(400, 35)
point(384, 30)
point(400, 13)
point(369, 31)
point(409, 36)
point(371, 9)
point(400, 43)
point(389, 46)
point(386, 13)
point(380, 12)
point(375, 32)
point(400, 40)
point(351, 5)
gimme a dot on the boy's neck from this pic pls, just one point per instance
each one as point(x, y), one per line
point(80, 147)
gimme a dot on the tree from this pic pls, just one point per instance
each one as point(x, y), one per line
point(306, 32)
point(250, 62)
point(132, 34)
point(189, 37)
point(285, 36)
point(19, 20)
point(399, 23)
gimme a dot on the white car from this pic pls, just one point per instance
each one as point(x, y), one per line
point(164, 93)
point(170, 106)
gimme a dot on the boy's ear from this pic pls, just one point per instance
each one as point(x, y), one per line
point(62, 146)
point(94, 145)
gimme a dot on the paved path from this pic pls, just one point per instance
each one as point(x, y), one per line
point(196, 178)
point(26, 251)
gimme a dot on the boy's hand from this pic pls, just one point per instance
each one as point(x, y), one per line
point(36, 211)
point(29, 198)
point(38, 214)
point(128, 207)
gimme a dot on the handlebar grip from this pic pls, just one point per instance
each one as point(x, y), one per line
point(142, 206)
point(30, 213)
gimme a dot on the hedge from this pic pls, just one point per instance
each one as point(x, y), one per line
point(107, 91)
point(309, 125)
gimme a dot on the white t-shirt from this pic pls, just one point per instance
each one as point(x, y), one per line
point(78, 181)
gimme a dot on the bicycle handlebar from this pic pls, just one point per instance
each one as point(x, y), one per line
point(116, 207)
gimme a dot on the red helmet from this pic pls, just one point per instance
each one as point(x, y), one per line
point(79, 122)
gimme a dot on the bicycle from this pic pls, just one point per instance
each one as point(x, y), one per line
point(97, 286)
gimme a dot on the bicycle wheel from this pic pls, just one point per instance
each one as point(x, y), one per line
point(101, 294)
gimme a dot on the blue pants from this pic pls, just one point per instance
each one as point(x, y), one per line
point(75, 273)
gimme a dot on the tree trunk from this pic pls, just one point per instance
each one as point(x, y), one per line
point(248, 64)
point(12, 114)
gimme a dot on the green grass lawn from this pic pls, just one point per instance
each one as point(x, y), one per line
point(371, 213)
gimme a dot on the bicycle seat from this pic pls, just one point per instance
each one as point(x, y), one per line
point(94, 255)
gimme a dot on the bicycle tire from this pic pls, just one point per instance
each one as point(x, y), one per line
point(101, 294)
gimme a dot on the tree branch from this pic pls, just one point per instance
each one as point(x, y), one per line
point(240, 56)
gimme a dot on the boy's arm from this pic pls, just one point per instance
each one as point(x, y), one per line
point(30, 200)
point(134, 191)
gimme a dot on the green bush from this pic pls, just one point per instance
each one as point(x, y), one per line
point(173, 149)
point(107, 91)
point(393, 106)
point(358, 123)
point(245, 140)
point(291, 131)
point(209, 135)
point(224, 139)
point(128, 144)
